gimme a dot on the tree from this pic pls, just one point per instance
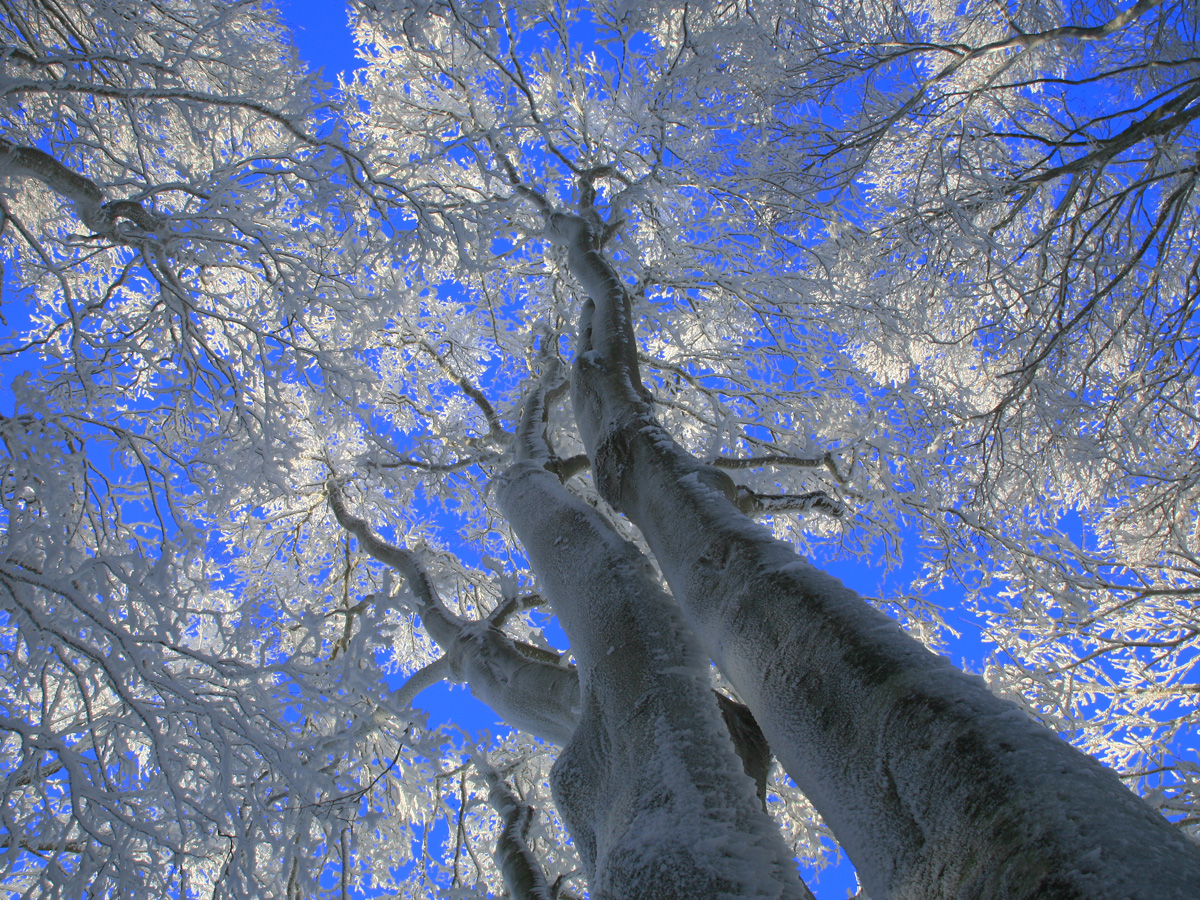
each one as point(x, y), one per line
point(293, 328)
point(1021, 254)
point(162, 729)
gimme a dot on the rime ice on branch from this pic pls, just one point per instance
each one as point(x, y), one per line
point(536, 696)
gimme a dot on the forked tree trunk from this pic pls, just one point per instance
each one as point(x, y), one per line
point(649, 782)
point(649, 785)
point(934, 786)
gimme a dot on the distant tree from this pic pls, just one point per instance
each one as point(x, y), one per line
point(891, 268)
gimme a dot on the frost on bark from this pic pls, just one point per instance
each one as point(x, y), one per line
point(536, 696)
point(649, 781)
point(523, 876)
point(933, 785)
point(649, 784)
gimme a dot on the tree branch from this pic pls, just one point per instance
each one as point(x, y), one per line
point(514, 605)
point(1171, 115)
point(443, 625)
point(495, 427)
point(84, 193)
point(774, 459)
point(425, 677)
point(572, 465)
point(751, 502)
point(524, 684)
point(522, 875)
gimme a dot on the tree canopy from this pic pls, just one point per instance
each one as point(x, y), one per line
point(917, 277)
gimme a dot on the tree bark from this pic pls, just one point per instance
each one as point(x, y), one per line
point(933, 785)
point(523, 876)
point(85, 194)
point(650, 787)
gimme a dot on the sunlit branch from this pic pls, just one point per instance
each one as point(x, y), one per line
point(443, 625)
point(85, 194)
point(965, 54)
point(75, 847)
point(779, 459)
point(513, 605)
point(495, 427)
point(425, 677)
point(361, 172)
point(526, 685)
point(409, 462)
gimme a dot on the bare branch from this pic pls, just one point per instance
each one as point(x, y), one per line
point(523, 876)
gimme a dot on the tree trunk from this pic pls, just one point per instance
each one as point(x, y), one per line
point(649, 785)
point(933, 785)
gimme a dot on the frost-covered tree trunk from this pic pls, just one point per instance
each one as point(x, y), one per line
point(934, 786)
point(649, 784)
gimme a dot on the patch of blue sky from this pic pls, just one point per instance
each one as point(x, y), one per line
point(321, 32)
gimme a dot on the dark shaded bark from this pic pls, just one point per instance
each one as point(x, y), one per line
point(749, 742)
point(523, 876)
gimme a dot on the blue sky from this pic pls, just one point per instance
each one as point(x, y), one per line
point(321, 33)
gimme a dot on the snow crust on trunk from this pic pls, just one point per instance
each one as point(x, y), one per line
point(935, 787)
point(536, 697)
point(650, 786)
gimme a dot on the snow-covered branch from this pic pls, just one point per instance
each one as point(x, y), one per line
point(533, 694)
point(95, 212)
point(523, 876)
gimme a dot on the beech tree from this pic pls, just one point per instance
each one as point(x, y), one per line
point(601, 285)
